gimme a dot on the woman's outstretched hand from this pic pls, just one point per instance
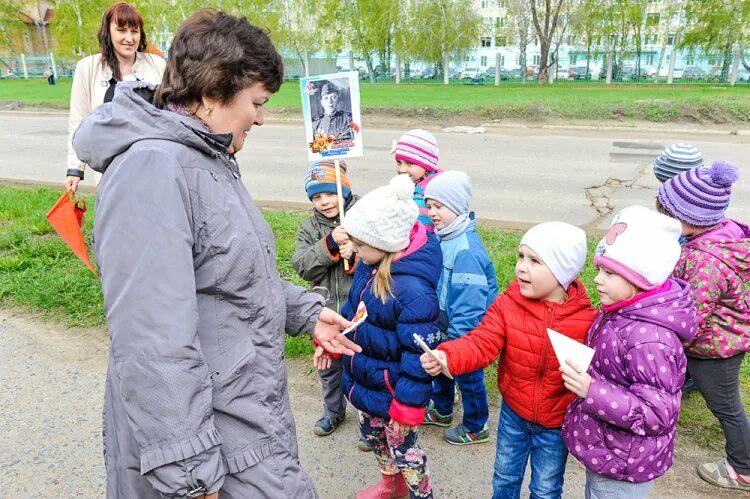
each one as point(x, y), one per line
point(328, 333)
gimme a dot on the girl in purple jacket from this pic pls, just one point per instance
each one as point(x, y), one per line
point(622, 426)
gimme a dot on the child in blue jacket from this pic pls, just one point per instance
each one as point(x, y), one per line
point(396, 279)
point(467, 288)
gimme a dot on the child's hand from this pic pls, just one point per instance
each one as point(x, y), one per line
point(401, 428)
point(430, 365)
point(576, 381)
point(321, 360)
point(345, 250)
point(340, 236)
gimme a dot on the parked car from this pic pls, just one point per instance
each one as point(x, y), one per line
point(743, 75)
point(427, 73)
point(693, 73)
point(532, 70)
point(490, 72)
point(514, 74)
point(580, 73)
point(469, 73)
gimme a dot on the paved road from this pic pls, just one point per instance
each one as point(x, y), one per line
point(520, 176)
point(51, 392)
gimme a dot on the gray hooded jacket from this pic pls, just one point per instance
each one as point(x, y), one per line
point(196, 392)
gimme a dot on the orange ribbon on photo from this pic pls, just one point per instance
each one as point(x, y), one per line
point(66, 217)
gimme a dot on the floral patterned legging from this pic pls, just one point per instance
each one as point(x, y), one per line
point(397, 454)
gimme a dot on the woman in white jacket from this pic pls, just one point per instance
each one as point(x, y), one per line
point(122, 57)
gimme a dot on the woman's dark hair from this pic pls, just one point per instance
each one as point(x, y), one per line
point(125, 15)
point(216, 55)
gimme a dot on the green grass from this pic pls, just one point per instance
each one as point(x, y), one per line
point(510, 101)
point(40, 274)
point(37, 92)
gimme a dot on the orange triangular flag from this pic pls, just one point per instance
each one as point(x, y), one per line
point(66, 217)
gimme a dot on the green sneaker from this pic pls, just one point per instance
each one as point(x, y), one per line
point(459, 436)
point(431, 416)
point(363, 445)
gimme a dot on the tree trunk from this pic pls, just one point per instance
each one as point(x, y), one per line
point(661, 59)
point(370, 69)
point(725, 64)
point(672, 60)
point(735, 65)
point(544, 45)
point(498, 60)
point(398, 69)
point(446, 66)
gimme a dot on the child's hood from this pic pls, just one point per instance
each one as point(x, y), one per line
point(577, 302)
point(730, 243)
point(672, 309)
point(422, 258)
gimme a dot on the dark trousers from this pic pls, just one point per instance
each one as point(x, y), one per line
point(718, 380)
point(334, 401)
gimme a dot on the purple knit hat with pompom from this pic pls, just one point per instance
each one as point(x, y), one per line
point(700, 196)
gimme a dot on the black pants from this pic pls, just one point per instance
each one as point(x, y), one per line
point(718, 380)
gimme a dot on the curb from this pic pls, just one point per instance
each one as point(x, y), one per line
point(281, 119)
point(299, 207)
point(613, 128)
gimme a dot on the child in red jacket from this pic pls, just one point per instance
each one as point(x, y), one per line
point(544, 294)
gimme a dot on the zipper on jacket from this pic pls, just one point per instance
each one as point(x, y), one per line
point(542, 368)
point(387, 380)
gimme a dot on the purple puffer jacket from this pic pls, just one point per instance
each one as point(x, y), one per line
point(625, 427)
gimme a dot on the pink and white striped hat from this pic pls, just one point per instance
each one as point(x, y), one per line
point(418, 147)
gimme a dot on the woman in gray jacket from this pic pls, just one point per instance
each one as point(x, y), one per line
point(196, 398)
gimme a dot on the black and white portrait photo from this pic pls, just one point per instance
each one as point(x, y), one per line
point(331, 105)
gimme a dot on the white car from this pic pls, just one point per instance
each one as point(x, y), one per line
point(470, 73)
point(664, 72)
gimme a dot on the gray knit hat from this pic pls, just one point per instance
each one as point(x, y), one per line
point(676, 159)
point(451, 189)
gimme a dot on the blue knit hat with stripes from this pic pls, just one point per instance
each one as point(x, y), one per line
point(676, 159)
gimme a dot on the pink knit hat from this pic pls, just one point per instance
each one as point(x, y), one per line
point(418, 147)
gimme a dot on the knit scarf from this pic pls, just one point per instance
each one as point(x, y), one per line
point(455, 228)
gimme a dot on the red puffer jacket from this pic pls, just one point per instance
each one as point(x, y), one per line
point(515, 328)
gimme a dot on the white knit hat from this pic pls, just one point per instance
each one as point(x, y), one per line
point(561, 246)
point(641, 245)
point(383, 218)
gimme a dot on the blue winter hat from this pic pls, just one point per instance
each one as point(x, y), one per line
point(321, 177)
point(451, 189)
point(676, 159)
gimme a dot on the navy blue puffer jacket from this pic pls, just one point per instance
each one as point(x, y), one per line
point(386, 379)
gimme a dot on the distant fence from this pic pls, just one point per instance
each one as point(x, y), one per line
point(736, 73)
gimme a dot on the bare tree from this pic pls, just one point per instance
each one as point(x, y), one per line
point(545, 15)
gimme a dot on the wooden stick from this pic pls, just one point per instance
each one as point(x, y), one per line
point(341, 200)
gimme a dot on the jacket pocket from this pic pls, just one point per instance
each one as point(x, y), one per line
point(244, 423)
